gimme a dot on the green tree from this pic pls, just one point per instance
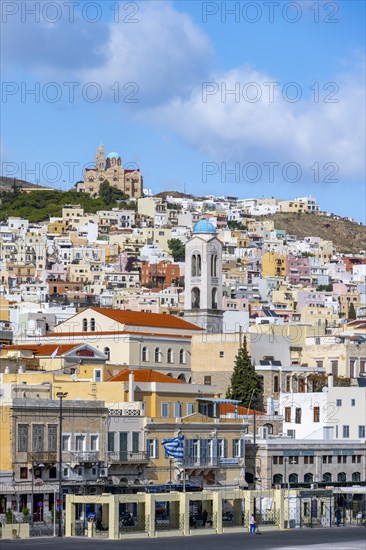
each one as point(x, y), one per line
point(244, 384)
point(177, 249)
point(105, 192)
point(351, 311)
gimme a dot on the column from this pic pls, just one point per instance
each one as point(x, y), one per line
point(184, 509)
point(113, 517)
point(69, 516)
point(217, 509)
point(150, 514)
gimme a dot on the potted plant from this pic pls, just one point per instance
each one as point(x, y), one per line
point(26, 514)
point(9, 516)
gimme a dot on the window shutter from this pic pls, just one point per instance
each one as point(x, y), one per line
point(225, 448)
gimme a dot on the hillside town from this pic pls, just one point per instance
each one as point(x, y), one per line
point(192, 320)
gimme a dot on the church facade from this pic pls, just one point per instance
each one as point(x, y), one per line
point(110, 168)
point(203, 279)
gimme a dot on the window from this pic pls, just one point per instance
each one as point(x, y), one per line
point(94, 442)
point(334, 367)
point(145, 355)
point(170, 356)
point(207, 380)
point(238, 448)
point(65, 472)
point(297, 416)
point(342, 477)
point(319, 364)
point(288, 384)
point(356, 477)
point(269, 428)
point(293, 460)
point(177, 409)
point(293, 479)
point(345, 431)
point(338, 402)
point(85, 325)
point(66, 442)
point(362, 365)
point(107, 352)
point(308, 460)
point(214, 298)
point(352, 364)
point(277, 479)
point(287, 414)
point(222, 448)
point(222, 354)
point(165, 410)
point(182, 356)
point(361, 432)
point(308, 478)
point(92, 324)
point(135, 442)
point(157, 355)
point(152, 449)
point(316, 414)
point(80, 442)
point(111, 440)
point(195, 298)
point(23, 472)
point(276, 387)
point(37, 438)
point(52, 472)
point(52, 438)
point(22, 438)
point(97, 375)
point(327, 477)
point(190, 408)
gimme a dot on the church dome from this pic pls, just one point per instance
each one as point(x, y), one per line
point(113, 155)
point(204, 226)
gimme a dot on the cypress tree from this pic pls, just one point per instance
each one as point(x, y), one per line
point(244, 384)
point(351, 311)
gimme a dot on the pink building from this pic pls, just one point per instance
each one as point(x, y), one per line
point(298, 270)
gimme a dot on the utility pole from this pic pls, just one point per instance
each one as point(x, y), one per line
point(61, 396)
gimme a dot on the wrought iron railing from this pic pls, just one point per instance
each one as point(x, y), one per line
point(126, 456)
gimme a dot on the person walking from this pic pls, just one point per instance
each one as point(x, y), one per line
point(338, 516)
point(252, 525)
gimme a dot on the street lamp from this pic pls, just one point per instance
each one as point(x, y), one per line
point(61, 395)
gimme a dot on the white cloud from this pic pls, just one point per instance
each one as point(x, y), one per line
point(165, 53)
point(304, 132)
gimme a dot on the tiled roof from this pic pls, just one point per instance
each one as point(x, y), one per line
point(358, 323)
point(43, 350)
point(115, 332)
point(145, 375)
point(138, 318)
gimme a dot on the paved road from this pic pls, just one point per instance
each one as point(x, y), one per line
point(344, 538)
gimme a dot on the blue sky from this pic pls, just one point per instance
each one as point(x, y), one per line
point(294, 124)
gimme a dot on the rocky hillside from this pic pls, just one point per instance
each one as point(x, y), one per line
point(7, 184)
point(346, 235)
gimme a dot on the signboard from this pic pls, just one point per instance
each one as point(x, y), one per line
point(229, 460)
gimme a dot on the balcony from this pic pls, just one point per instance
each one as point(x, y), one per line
point(196, 462)
point(80, 456)
point(45, 457)
point(126, 457)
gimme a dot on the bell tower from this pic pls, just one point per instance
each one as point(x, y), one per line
point(203, 278)
point(100, 159)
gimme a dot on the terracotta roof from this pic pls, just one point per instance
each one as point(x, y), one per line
point(358, 323)
point(119, 332)
point(145, 375)
point(43, 350)
point(138, 318)
point(229, 408)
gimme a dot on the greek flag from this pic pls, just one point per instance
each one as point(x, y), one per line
point(174, 447)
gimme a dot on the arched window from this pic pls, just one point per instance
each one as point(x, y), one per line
point(327, 477)
point(342, 477)
point(308, 478)
point(198, 265)
point(293, 479)
point(182, 377)
point(145, 355)
point(214, 298)
point(276, 387)
point(269, 428)
point(193, 265)
point(277, 479)
point(107, 352)
point(170, 356)
point(170, 374)
point(356, 476)
point(85, 325)
point(195, 298)
point(157, 356)
point(214, 265)
point(182, 356)
point(92, 324)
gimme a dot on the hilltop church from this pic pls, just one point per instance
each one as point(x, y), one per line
point(110, 168)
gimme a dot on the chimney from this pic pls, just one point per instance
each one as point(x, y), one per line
point(131, 387)
point(330, 380)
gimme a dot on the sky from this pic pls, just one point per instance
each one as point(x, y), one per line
point(248, 99)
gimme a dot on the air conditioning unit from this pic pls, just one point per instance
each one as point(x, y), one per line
point(103, 472)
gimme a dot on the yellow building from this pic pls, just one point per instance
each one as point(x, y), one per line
point(273, 265)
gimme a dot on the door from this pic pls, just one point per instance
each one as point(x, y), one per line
point(123, 445)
